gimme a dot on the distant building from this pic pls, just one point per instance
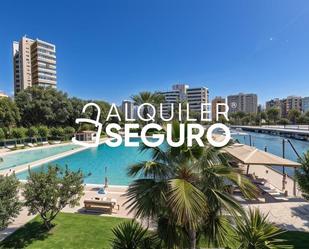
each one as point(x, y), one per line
point(34, 63)
point(260, 108)
point(3, 95)
point(196, 97)
point(183, 93)
point(214, 103)
point(128, 106)
point(182, 89)
point(171, 97)
point(242, 103)
point(291, 102)
point(305, 104)
point(273, 103)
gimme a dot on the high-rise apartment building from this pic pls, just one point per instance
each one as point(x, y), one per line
point(127, 107)
point(34, 63)
point(242, 103)
point(214, 102)
point(305, 104)
point(196, 97)
point(273, 103)
point(181, 92)
point(176, 95)
point(291, 102)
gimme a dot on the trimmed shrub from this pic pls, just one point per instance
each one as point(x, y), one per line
point(32, 132)
point(43, 131)
point(56, 132)
point(19, 132)
point(69, 130)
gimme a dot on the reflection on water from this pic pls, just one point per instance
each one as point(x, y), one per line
point(274, 146)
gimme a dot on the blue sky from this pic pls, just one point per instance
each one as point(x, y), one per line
point(111, 49)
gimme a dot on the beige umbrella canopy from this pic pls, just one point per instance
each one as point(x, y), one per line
point(252, 156)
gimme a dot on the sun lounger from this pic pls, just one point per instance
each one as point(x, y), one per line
point(44, 143)
point(259, 181)
point(30, 144)
point(98, 204)
point(55, 142)
point(10, 147)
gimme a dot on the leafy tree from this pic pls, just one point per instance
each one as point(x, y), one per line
point(19, 132)
point(293, 115)
point(47, 193)
point(9, 202)
point(131, 235)
point(253, 231)
point(302, 175)
point(43, 131)
point(245, 120)
point(32, 132)
point(273, 114)
point(76, 112)
point(9, 113)
point(185, 189)
point(69, 130)
point(303, 119)
point(56, 132)
point(237, 117)
point(283, 121)
point(2, 134)
point(263, 115)
point(47, 106)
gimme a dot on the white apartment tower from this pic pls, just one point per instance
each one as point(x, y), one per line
point(196, 97)
point(127, 108)
point(180, 93)
point(34, 63)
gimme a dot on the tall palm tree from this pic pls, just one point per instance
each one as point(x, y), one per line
point(182, 189)
point(253, 231)
point(147, 97)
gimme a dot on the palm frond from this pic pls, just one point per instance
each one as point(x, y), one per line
point(186, 201)
point(146, 197)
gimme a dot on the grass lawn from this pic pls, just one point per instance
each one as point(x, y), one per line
point(80, 231)
point(76, 231)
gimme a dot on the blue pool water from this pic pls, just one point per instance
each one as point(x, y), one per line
point(274, 146)
point(94, 161)
point(23, 157)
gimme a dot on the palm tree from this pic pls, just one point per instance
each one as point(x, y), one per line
point(253, 231)
point(184, 188)
point(147, 97)
point(131, 235)
point(293, 115)
point(302, 175)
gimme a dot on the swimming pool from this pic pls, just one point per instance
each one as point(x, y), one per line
point(27, 156)
point(96, 163)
